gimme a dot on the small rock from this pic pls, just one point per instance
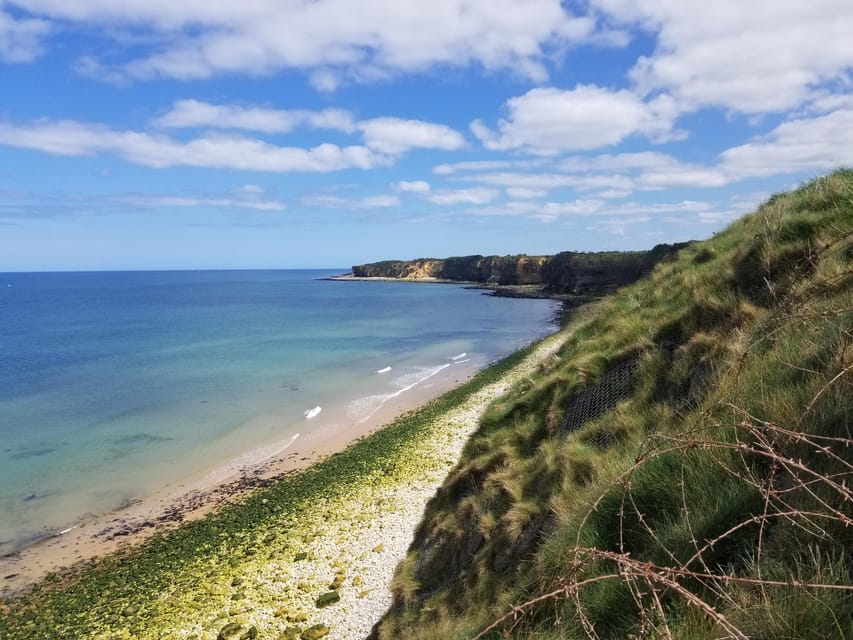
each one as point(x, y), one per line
point(229, 631)
point(379, 548)
point(315, 633)
point(301, 616)
point(291, 633)
point(251, 634)
point(330, 597)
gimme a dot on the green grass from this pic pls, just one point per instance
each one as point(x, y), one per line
point(711, 495)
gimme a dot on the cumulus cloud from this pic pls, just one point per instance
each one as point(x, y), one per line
point(71, 138)
point(21, 39)
point(200, 39)
point(807, 144)
point(759, 56)
point(195, 113)
point(392, 136)
point(548, 121)
point(397, 135)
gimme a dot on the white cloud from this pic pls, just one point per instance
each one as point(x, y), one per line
point(414, 186)
point(616, 162)
point(391, 136)
point(331, 38)
point(514, 179)
point(612, 194)
point(805, 145)
point(195, 113)
point(757, 56)
point(209, 202)
point(476, 195)
point(21, 40)
point(526, 193)
point(548, 121)
point(338, 202)
point(251, 190)
point(397, 135)
point(544, 212)
point(71, 138)
point(612, 175)
point(480, 165)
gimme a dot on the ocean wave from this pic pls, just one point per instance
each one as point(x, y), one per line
point(311, 413)
point(458, 356)
point(362, 409)
point(385, 370)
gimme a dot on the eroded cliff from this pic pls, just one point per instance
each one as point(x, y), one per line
point(568, 272)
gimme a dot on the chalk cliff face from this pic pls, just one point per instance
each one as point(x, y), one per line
point(565, 273)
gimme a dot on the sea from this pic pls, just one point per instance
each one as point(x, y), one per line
point(114, 385)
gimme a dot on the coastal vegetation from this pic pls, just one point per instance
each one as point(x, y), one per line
point(676, 465)
point(680, 468)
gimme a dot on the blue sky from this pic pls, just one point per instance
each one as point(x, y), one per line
point(158, 134)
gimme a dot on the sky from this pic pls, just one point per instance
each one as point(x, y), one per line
point(199, 134)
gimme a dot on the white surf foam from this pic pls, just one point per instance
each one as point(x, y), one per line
point(385, 370)
point(313, 413)
point(364, 408)
point(458, 356)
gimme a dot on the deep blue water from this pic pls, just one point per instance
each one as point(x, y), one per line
point(113, 385)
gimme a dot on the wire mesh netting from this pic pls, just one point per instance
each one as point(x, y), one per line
point(601, 396)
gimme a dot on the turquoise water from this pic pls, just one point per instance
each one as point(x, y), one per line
point(114, 385)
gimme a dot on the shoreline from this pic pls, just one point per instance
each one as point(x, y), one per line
point(344, 523)
point(532, 291)
point(197, 495)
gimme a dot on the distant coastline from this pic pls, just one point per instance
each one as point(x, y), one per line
point(569, 276)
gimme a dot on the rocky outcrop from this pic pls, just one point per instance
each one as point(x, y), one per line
point(568, 272)
point(500, 270)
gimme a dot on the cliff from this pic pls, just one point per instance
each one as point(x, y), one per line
point(679, 468)
point(568, 272)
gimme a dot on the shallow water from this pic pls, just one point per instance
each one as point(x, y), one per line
point(115, 385)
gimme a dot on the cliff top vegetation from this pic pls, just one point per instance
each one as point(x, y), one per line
point(681, 468)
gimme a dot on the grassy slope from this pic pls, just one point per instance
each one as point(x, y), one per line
point(715, 501)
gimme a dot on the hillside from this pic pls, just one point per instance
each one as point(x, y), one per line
point(680, 468)
point(568, 272)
